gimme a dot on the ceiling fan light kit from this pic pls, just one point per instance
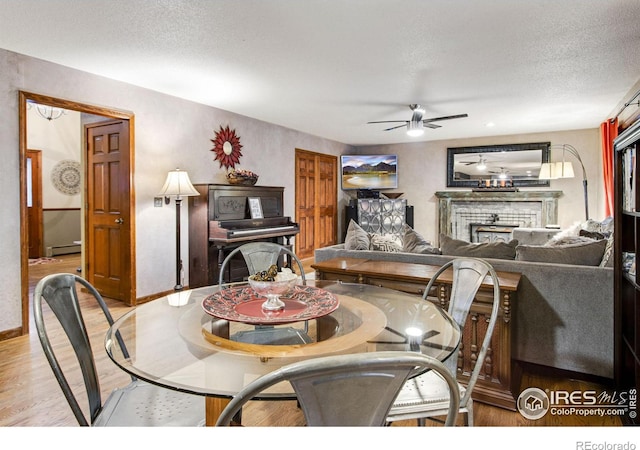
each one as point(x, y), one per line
point(415, 126)
point(415, 129)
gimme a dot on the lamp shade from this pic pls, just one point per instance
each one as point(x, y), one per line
point(564, 170)
point(178, 184)
point(547, 171)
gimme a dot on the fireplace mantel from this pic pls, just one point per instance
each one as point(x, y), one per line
point(526, 208)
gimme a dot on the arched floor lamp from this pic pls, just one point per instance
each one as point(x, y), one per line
point(178, 185)
point(564, 169)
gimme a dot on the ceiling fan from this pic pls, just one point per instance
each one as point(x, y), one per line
point(481, 161)
point(415, 126)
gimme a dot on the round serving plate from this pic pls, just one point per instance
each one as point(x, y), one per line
point(242, 304)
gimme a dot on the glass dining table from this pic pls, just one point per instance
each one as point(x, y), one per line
point(203, 342)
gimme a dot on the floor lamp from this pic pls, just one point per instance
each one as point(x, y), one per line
point(564, 169)
point(178, 185)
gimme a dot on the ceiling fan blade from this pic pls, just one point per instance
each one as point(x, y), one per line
point(458, 116)
point(431, 125)
point(393, 128)
point(390, 121)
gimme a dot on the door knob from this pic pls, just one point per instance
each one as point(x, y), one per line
point(120, 220)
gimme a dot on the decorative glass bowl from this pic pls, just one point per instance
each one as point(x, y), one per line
point(272, 290)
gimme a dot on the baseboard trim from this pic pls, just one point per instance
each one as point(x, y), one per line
point(10, 334)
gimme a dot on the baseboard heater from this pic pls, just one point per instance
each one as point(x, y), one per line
point(62, 249)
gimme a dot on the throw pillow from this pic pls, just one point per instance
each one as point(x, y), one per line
point(569, 240)
point(589, 254)
point(385, 243)
point(413, 242)
point(356, 238)
point(573, 230)
point(607, 257)
point(592, 234)
point(495, 250)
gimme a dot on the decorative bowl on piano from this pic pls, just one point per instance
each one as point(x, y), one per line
point(272, 284)
point(242, 177)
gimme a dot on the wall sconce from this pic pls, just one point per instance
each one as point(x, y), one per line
point(564, 169)
point(178, 185)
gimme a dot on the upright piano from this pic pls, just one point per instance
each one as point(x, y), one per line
point(220, 220)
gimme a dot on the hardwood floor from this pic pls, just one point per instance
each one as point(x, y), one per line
point(30, 396)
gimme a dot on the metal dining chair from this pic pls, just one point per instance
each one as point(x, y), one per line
point(260, 256)
point(137, 404)
point(425, 396)
point(347, 390)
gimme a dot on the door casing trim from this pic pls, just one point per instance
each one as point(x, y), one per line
point(111, 113)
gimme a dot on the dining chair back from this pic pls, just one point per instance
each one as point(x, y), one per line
point(423, 397)
point(260, 256)
point(347, 390)
point(137, 404)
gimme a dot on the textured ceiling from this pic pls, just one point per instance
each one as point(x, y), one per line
point(327, 67)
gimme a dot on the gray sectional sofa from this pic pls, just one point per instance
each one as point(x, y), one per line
point(563, 316)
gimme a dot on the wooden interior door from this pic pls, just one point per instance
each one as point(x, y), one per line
point(108, 209)
point(34, 204)
point(316, 201)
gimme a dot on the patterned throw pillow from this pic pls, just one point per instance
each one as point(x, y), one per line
point(607, 257)
point(385, 243)
point(356, 238)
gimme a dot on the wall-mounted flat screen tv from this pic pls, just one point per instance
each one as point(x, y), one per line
point(369, 171)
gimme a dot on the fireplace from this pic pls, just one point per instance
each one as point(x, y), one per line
point(491, 216)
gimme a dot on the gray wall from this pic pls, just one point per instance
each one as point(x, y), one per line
point(169, 133)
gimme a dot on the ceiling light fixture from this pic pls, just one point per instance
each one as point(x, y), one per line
point(481, 164)
point(48, 112)
point(415, 129)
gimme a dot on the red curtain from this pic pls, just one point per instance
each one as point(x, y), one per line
point(608, 132)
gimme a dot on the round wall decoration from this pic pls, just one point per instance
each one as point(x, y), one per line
point(65, 177)
point(227, 147)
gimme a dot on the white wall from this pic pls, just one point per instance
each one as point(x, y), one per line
point(59, 139)
point(422, 170)
point(169, 133)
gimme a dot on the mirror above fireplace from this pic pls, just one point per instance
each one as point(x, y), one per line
point(521, 163)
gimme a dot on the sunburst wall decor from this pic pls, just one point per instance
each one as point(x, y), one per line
point(227, 147)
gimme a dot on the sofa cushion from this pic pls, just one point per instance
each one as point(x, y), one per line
point(413, 242)
point(385, 243)
point(496, 250)
point(586, 254)
point(356, 238)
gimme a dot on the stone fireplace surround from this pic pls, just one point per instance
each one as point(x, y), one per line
point(460, 212)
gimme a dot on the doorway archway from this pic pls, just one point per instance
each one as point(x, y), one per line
point(108, 113)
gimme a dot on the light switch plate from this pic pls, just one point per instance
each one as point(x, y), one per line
point(157, 202)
